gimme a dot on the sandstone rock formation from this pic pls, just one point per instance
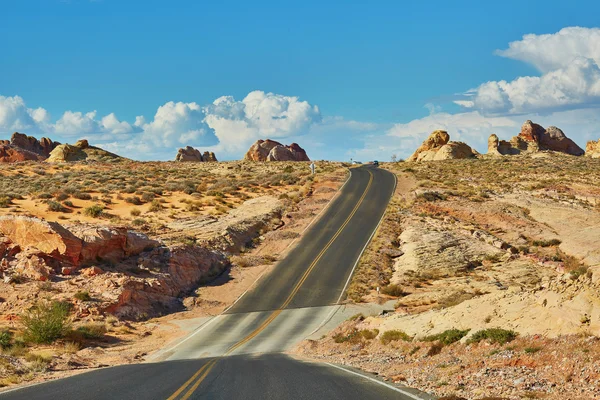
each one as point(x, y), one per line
point(534, 138)
point(61, 247)
point(439, 147)
point(42, 147)
point(80, 151)
point(592, 149)
point(209, 156)
point(21, 147)
point(188, 154)
point(191, 154)
point(270, 150)
point(11, 154)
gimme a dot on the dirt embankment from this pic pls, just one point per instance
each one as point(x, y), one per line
point(481, 249)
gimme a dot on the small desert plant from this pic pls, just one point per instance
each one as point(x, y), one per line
point(45, 322)
point(55, 206)
point(135, 212)
point(5, 339)
point(493, 335)
point(394, 335)
point(393, 290)
point(83, 295)
point(94, 211)
point(447, 337)
point(155, 206)
point(531, 350)
point(92, 331)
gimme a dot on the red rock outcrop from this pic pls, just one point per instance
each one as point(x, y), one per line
point(271, 150)
point(11, 154)
point(78, 245)
point(534, 138)
point(42, 147)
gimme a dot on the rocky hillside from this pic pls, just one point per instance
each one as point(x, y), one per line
point(534, 138)
point(439, 147)
point(270, 150)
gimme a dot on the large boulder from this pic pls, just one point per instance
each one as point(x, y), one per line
point(270, 150)
point(188, 154)
point(430, 146)
point(113, 244)
point(49, 239)
point(531, 132)
point(298, 152)
point(260, 150)
point(534, 138)
point(554, 139)
point(66, 153)
point(439, 147)
point(454, 151)
point(281, 153)
point(592, 149)
point(75, 246)
point(42, 147)
point(209, 156)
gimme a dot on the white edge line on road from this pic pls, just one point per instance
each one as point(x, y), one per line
point(332, 313)
point(412, 396)
point(214, 318)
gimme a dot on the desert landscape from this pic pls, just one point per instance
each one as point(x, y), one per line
point(494, 266)
point(491, 261)
point(106, 251)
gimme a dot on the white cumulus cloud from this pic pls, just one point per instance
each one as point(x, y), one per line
point(570, 76)
point(16, 116)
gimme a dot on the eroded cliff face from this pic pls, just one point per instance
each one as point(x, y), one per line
point(130, 274)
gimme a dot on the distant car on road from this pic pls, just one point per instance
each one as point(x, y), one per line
point(376, 163)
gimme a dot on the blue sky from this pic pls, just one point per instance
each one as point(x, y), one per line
point(343, 79)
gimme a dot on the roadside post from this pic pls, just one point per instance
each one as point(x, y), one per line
point(312, 168)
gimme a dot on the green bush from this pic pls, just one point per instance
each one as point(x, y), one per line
point(394, 335)
point(393, 290)
point(94, 211)
point(135, 212)
point(493, 335)
point(92, 331)
point(155, 206)
point(83, 295)
point(46, 322)
point(546, 243)
point(55, 206)
point(5, 339)
point(447, 337)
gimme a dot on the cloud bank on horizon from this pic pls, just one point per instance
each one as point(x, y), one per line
point(565, 94)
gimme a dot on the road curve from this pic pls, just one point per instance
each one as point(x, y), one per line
point(236, 355)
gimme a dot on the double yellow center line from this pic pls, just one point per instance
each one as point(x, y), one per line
point(201, 374)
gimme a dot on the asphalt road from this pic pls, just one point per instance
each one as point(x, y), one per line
point(237, 355)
